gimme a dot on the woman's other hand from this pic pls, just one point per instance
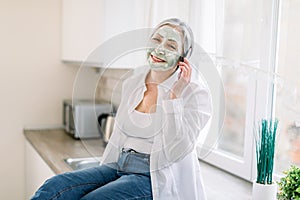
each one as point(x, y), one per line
point(184, 78)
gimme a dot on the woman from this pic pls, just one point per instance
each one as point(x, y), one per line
point(151, 152)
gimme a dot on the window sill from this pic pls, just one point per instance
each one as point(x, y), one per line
point(223, 185)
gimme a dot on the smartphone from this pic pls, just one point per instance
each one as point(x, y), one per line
point(181, 59)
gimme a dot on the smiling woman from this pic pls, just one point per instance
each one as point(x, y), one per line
point(151, 152)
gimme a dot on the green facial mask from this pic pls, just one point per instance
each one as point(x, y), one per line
point(166, 48)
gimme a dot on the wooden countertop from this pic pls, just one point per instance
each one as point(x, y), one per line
point(54, 145)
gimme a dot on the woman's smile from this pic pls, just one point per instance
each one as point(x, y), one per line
point(156, 59)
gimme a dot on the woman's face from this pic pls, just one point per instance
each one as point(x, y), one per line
point(166, 48)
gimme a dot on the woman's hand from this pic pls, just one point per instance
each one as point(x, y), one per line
point(184, 78)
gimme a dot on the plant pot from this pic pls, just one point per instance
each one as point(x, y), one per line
point(264, 191)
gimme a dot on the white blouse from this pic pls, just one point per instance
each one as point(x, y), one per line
point(139, 127)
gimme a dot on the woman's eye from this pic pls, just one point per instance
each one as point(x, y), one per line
point(172, 47)
point(156, 39)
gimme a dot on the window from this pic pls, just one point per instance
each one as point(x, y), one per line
point(242, 40)
point(253, 42)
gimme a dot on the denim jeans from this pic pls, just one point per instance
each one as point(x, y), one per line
point(129, 178)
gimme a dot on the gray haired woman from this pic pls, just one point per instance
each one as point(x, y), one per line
point(151, 152)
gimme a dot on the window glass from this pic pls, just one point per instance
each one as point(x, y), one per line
point(287, 107)
point(235, 86)
point(239, 44)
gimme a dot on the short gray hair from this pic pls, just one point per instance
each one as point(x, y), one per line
point(188, 36)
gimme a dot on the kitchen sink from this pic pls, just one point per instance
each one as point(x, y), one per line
point(82, 163)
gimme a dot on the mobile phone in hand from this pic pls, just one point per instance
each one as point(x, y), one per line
point(181, 59)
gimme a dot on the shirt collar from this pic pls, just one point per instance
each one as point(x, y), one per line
point(166, 85)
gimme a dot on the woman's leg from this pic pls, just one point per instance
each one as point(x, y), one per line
point(131, 186)
point(74, 185)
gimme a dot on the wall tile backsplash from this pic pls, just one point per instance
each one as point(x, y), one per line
point(110, 85)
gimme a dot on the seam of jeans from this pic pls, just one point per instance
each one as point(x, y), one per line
point(69, 188)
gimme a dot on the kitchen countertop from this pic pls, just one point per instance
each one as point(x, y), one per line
point(54, 145)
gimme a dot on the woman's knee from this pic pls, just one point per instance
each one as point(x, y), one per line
point(57, 180)
point(51, 186)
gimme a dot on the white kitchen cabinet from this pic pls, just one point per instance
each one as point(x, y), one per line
point(81, 28)
point(36, 171)
point(87, 24)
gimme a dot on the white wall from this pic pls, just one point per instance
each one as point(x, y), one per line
point(33, 81)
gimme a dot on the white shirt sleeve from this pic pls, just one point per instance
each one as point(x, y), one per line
point(185, 117)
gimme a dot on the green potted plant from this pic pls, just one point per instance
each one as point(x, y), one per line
point(264, 188)
point(289, 185)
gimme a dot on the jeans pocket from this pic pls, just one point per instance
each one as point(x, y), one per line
point(144, 158)
point(130, 162)
point(125, 161)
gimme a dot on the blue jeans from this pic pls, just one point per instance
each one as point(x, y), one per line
point(129, 178)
